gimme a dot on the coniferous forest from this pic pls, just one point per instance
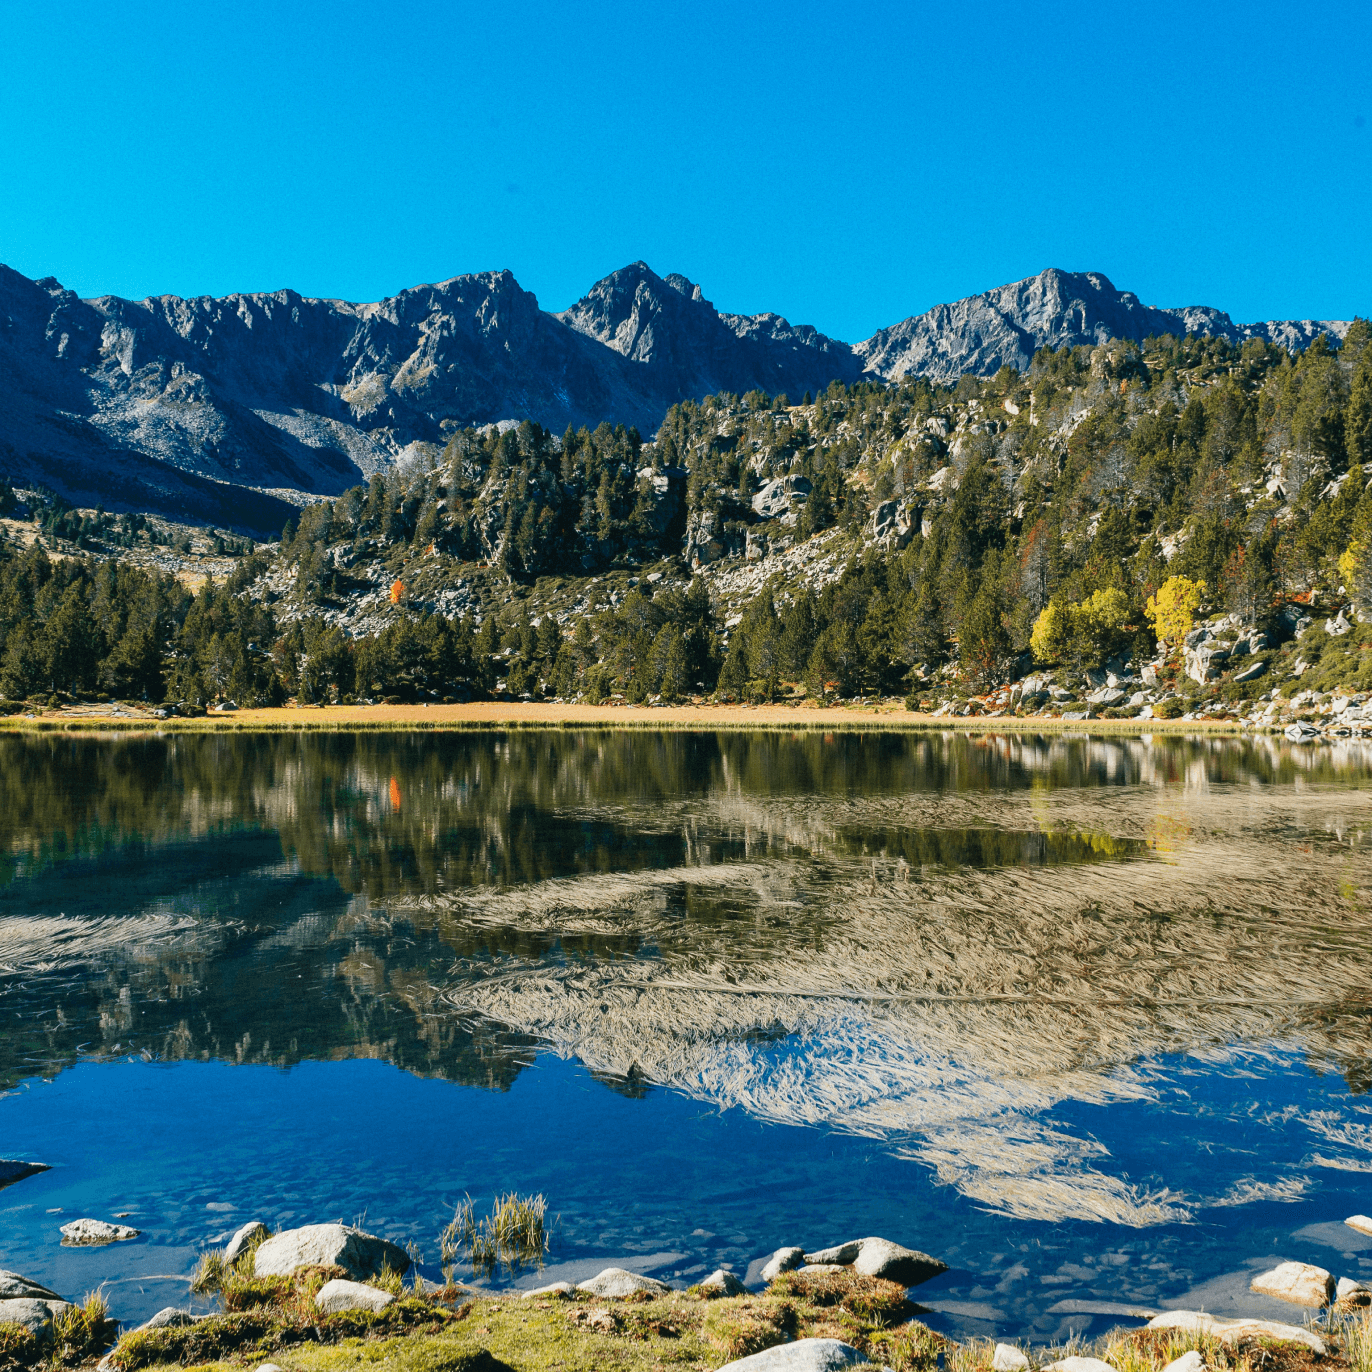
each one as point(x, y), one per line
point(925, 542)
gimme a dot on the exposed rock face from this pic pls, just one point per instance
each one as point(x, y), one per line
point(328, 1245)
point(890, 1261)
point(1005, 327)
point(203, 408)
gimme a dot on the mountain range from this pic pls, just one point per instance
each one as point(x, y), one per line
point(230, 410)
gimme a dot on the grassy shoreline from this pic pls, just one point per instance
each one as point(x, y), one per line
point(497, 715)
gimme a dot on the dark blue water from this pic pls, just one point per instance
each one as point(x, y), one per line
point(1116, 1060)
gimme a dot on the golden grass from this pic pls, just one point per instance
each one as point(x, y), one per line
point(481, 715)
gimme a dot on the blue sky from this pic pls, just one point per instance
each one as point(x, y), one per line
point(845, 166)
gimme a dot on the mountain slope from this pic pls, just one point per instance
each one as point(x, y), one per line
point(1054, 309)
point(214, 409)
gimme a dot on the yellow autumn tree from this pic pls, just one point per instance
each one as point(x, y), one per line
point(1172, 611)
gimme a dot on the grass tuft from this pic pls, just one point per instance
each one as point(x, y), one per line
point(516, 1231)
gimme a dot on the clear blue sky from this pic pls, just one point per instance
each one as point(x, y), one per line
point(844, 165)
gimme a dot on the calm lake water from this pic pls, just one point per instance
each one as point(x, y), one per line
point(1086, 1018)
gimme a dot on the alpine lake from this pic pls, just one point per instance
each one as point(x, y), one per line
point(1088, 1018)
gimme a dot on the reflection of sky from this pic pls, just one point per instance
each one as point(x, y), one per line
point(1080, 1017)
point(656, 1178)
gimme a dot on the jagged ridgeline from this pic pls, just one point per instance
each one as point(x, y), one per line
point(876, 538)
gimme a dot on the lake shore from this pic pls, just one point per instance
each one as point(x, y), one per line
point(508, 715)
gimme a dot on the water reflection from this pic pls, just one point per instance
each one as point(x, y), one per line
point(934, 941)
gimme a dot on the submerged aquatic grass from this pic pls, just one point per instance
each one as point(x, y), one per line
point(516, 1231)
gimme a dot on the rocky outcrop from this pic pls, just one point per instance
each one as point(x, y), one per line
point(80, 1233)
point(1054, 309)
point(616, 1281)
point(338, 1295)
point(202, 408)
point(359, 1254)
point(1228, 1331)
point(12, 1170)
point(804, 1355)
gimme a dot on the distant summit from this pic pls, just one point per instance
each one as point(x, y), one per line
point(1054, 309)
point(228, 410)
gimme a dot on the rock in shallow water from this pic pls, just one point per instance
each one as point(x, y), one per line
point(12, 1170)
point(1200, 1322)
point(615, 1281)
point(786, 1260)
point(882, 1258)
point(81, 1232)
point(242, 1238)
point(359, 1254)
point(1362, 1223)
point(1301, 1283)
point(337, 1295)
point(804, 1355)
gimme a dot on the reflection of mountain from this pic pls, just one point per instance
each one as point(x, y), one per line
point(929, 941)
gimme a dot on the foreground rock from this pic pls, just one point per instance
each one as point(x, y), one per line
point(804, 1355)
point(616, 1281)
point(787, 1260)
point(1188, 1362)
point(36, 1316)
point(557, 1288)
point(841, 1254)
point(338, 1295)
point(248, 1234)
point(171, 1318)
point(1352, 1295)
point(1297, 1282)
point(722, 1283)
point(1008, 1358)
point(359, 1254)
point(82, 1232)
point(1198, 1322)
point(1362, 1223)
point(891, 1262)
point(15, 1287)
point(1079, 1365)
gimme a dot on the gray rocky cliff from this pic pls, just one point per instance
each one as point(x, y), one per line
point(215, 410)
point(1054, 309)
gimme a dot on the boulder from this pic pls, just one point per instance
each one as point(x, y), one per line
point(1297, 1282)
point(171, 1318)
point(1352, 1294)
point(1227, 1331)
point(821, 1267)
point(1362, 1223)
point(840, 1253)
point(34, 1315)
point(80, 1232)
point(559, 1289)
point(242, 1238)
point(360, 1255)
point(804, 1355)
point(1251, 672)
point(15, 1287)
point(1009, 1359)
point(1188, 1362)
point(722, 1283)
point(1080, 1365)
point(882, 1258)
point(1301, 732)
point(338, 1295)
point(615, 1281)
point(12, 1170)
point(787, 1259)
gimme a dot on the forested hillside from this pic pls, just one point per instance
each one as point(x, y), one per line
point(912, 539)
